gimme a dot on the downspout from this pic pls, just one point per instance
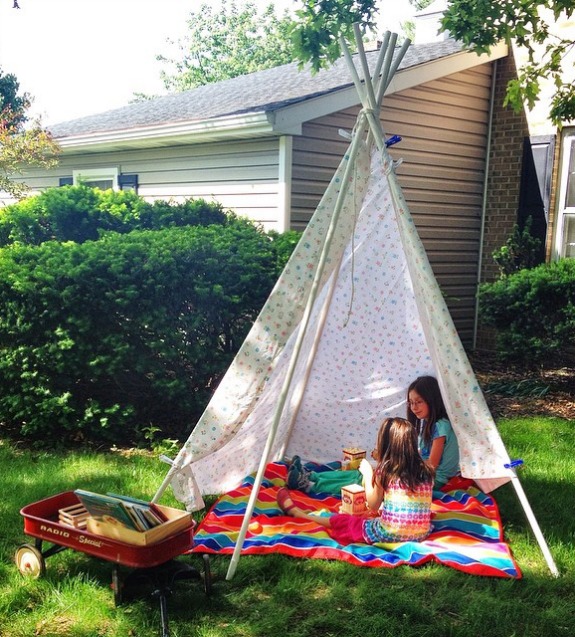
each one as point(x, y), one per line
point(484, 202)
point(285, 183)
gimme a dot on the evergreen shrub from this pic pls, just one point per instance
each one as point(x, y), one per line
point(102, 340)
point(81, 213)
point(533, 311)
point(521, 250)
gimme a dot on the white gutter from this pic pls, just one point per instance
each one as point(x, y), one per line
point(165, 134)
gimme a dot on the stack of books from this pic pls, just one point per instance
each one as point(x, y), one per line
point(131, 513)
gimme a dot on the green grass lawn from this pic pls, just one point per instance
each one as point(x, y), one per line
point(281, 596)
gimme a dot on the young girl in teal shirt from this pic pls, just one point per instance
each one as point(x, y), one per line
point(437, 444)
point(437, 440)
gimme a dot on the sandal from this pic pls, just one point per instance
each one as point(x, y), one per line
point(282, 497)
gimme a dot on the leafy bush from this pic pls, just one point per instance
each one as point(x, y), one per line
point(521, 250)
point(524, 388)
point(284, 245)
point(82, 213)
point(104, 340)
point(533, 311)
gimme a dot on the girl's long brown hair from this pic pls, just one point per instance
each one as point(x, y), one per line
point(428, 388)
point(398, 457)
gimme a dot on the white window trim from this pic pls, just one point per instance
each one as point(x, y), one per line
point(568, 143)
point(96, 174)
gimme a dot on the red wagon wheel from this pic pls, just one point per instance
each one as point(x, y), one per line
point(30, 561)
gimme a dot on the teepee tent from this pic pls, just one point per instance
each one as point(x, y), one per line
point(354, 318)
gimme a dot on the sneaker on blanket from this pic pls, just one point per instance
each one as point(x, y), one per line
point(299, 478)
point(295, 462)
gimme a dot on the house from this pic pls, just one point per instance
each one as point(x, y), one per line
point(267, 144)
point(553, 157)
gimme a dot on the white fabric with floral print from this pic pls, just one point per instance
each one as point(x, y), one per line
point(387, 324)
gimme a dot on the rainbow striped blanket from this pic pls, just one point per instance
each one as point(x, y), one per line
point(467, 532)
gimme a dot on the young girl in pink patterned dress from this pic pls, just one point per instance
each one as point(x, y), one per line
point(398, 493)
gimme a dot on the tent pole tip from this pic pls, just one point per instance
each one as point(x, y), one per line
point(231, 569)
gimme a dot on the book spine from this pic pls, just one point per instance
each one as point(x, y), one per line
point(136, 516)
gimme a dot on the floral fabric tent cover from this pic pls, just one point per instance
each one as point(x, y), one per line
point(355, 317)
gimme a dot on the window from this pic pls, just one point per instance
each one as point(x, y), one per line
point(565, 235)
point(102, 178)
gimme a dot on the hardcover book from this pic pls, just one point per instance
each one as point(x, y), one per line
point(106, 508)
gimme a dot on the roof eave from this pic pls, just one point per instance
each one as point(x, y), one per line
point(290, 116)
point(223, 128)
point(286, 120)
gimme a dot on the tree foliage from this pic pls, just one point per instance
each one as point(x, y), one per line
point(315, 35)
point(228, 42)
point(480, 24)
point(22, 143)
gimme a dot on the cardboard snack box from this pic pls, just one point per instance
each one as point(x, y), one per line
point(353, 500)
point(352, 457)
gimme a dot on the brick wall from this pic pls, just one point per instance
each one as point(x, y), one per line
point(508, 133)
point(509, 130)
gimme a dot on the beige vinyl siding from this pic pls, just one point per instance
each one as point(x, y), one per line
point(444, 128)
point(241, 175)
point(316, 156)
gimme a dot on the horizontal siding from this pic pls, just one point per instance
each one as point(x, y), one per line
point(241, 175)
point(443, 125)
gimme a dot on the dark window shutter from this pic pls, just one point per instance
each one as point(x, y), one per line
point(535, 188)
point(128, 182)
point(66, 181)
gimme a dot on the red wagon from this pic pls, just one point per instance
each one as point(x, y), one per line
point(153, 562)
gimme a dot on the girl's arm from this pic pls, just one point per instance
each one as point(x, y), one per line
point(436, 452)
point(373, 494)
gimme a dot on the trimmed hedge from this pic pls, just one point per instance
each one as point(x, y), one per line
point(533, 311)
point(102, 340)
point(82, 213)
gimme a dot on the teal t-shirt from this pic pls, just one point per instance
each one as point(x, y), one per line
point(449, 463)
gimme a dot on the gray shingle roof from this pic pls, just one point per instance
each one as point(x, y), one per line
point(262, 91)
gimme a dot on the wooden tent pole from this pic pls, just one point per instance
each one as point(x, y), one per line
point(400, 55)
point(294, 359)
point(400, 203)
point(377, 131)
point(366, 113)
point(312, 353)
point(327, 303)
point(534, 526)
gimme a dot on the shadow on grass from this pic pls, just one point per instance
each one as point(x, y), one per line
point(278, 595)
